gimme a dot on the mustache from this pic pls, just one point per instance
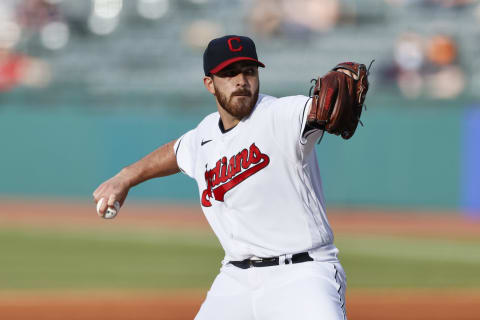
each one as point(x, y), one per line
point(242, 93)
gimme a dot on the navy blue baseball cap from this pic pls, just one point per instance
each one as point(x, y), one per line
point(226, 50)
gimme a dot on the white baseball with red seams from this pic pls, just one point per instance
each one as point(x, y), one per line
point(110, 213)
point(261, 191)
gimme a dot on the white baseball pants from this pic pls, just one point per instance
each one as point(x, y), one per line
point(302, 291)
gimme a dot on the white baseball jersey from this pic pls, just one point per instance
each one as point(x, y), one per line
point(259, 182)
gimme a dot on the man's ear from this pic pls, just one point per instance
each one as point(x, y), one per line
point(208, 82)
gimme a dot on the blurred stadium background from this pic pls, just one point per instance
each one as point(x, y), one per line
point(89, 86)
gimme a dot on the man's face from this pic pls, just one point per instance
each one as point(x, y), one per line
point(237, 87)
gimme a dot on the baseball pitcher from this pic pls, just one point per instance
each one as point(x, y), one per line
point(259, 186)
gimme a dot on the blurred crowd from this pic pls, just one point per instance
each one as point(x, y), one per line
point(297, 17)
point(420, 64)
point(425, 65)
point(20, 21)
point(293, 18)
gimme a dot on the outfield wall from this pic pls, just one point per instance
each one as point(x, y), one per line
point(403, 157)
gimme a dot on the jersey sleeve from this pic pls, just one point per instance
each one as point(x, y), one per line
point(290, 114)
point(185, 151)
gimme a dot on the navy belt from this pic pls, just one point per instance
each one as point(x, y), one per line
point(275, 261)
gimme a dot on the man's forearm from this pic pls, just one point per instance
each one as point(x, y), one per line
point(161, 162)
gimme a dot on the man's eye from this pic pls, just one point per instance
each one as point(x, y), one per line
point(227, 74)
point(250, 71)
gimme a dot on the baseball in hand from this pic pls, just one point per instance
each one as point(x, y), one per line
point(111, 212)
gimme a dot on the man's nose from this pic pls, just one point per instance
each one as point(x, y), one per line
point(241, 80)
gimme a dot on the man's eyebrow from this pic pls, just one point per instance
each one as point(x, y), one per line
point(234, 69)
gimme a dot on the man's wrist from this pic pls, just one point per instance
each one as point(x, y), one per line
point(128, 175)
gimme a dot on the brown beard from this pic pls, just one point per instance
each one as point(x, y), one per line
point(241, 107)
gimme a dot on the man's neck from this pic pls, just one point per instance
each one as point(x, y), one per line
point(228, 120)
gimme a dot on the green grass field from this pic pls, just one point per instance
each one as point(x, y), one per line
point(161, 259)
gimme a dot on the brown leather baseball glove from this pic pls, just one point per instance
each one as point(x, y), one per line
point(338, 99)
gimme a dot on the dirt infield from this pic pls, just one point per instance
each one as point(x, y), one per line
point(68, 214)
point(362, 305)
point(101, 306)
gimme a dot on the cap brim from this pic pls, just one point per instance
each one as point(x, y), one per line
point(230, 61)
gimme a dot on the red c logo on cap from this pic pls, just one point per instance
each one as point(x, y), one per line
point(230, 46)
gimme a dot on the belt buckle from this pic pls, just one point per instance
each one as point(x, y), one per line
point(254, 261)
point(285, 259)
